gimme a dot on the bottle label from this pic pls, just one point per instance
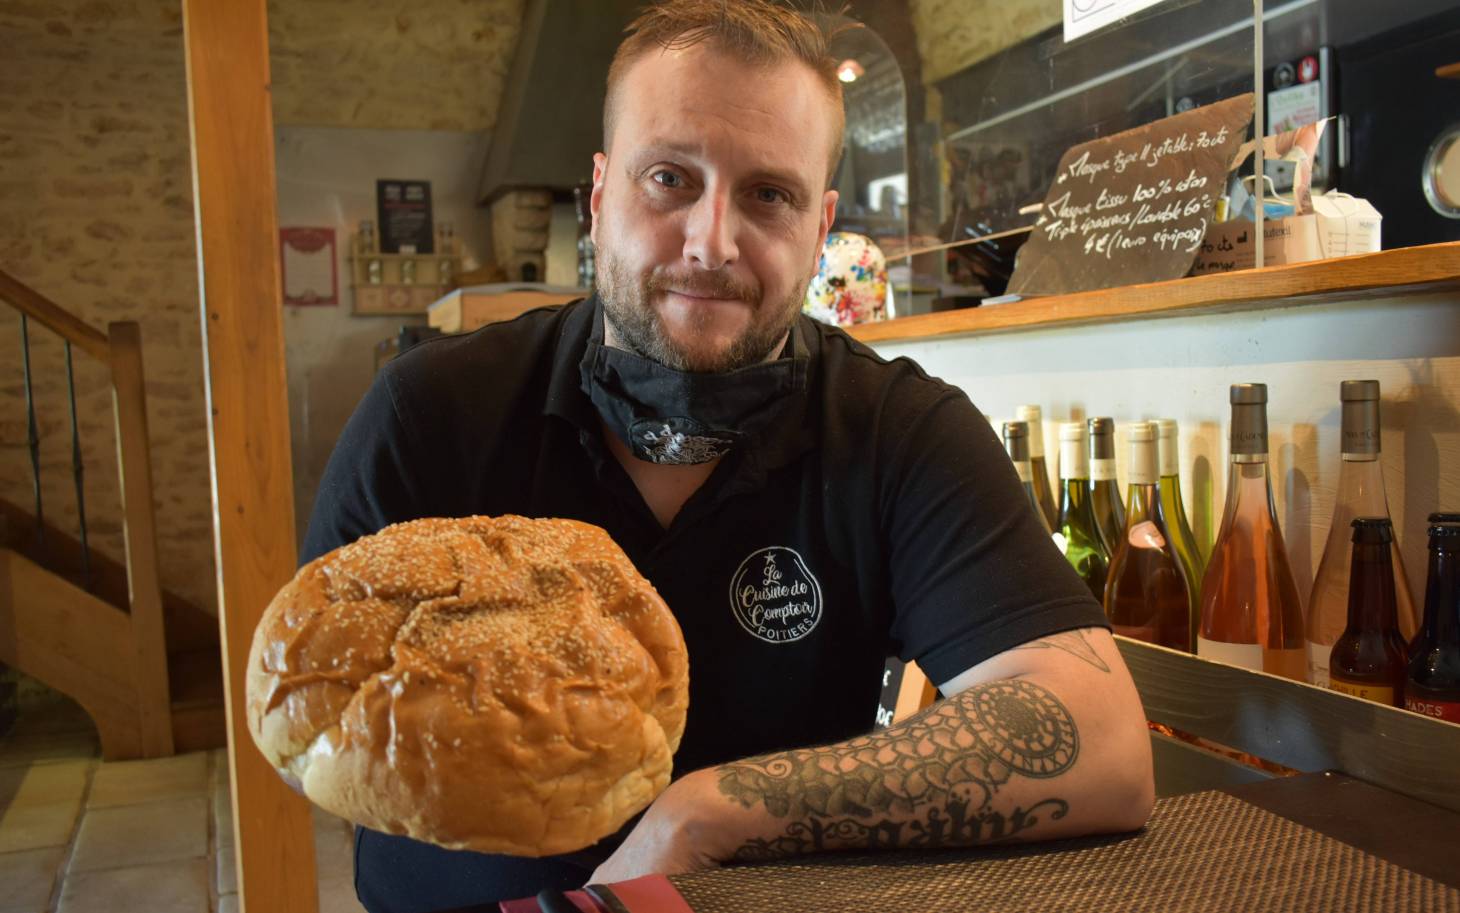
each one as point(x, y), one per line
point(1248, 656)
point(1379, 694)
point(1102, 470)
point(1449, 711)
point(1146, 535)
point(1318, 663)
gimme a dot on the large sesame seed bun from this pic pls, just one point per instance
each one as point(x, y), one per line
point(502, 685)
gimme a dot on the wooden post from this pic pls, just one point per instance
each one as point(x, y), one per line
point(139, 517)
point(227, 55)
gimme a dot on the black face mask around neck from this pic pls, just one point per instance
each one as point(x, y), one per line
point(680, 417)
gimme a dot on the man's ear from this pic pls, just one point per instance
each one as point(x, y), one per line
point(828, 216)
point(595, 199)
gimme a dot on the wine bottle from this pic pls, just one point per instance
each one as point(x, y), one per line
point(1104, 489)
point(1077, 534)
point(1016, 443)
point(1360, 494)
point(1250, 611)
point(1168, 455)
point(1432, 686)
point(1147, 593)
point(1368, 659)
point(1040, 469)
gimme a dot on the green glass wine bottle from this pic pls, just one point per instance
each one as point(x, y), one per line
point(1016, 444)
point(1077, 534)
point(1175, 512)
point(1104, 489)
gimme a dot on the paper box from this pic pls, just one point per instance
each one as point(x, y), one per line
point(1347, 225)
point(1230, 246)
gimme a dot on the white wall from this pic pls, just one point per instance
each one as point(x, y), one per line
point(326, 178)
point(1181, 368)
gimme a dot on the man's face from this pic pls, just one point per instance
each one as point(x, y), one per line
point(709, 208)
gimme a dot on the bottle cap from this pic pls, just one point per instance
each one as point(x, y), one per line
point(1166, 452)
point(1371, 530)
point(1016, 441)
point(1103, 424)
point(1444, 518)
point(1249, 423)
point(1360, 426)
point(1249, 394)
point(1358, 390)
point(1142, 469)
point(1074, 462)
point(1446, 532)
point(1032, 414)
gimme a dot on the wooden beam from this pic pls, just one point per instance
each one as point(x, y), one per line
point(139, 527)
point(1433, 267)
point(227, 56)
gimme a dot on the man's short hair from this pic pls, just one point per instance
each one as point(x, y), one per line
point(759, 32)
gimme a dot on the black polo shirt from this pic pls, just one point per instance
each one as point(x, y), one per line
point(879, 516)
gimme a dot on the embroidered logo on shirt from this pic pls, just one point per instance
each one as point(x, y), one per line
point(774, 595)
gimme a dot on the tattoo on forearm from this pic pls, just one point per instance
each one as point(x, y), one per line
point(929, 782)
point(1076, 643)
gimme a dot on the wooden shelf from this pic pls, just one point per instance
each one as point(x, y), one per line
point(1406, 270)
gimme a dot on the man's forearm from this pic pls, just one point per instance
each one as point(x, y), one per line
point(988, 764)
point(1045, 740)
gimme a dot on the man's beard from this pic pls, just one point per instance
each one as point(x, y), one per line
point(626, 305)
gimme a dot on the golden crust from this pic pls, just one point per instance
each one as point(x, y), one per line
point(502, 685)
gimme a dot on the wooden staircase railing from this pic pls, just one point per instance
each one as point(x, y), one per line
point(125, 688)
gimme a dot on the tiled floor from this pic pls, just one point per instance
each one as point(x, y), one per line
point(79, 835)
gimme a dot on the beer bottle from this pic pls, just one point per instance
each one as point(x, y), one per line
point(1433, 684)
point(1368, 659)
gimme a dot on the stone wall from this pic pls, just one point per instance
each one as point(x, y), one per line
point(423, 65)
point(96, 214)
point(96, 211)
point(955, 34)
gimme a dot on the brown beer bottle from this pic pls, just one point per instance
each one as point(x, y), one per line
point(1433, 685)
point(1368, 659)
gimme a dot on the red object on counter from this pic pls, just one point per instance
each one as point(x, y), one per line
point(649, 894)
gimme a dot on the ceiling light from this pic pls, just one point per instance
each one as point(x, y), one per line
point(848, 70)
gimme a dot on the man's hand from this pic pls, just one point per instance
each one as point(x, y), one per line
point(676, 835)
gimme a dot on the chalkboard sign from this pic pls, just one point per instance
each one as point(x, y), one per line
point(404, 208)
point(1133, 207)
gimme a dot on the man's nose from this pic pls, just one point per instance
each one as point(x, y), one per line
point(709, 231)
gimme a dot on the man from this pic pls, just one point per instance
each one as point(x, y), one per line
point(804, 507)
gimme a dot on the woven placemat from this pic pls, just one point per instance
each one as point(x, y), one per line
point(1199, 852)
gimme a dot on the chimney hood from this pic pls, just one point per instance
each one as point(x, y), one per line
point(551, 120)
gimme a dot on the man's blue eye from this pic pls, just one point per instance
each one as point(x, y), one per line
point(770, 195)
point(667, 178)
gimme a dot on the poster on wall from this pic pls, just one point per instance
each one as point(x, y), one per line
point(1085, 16)
point(404, 210)
point(307, 263)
